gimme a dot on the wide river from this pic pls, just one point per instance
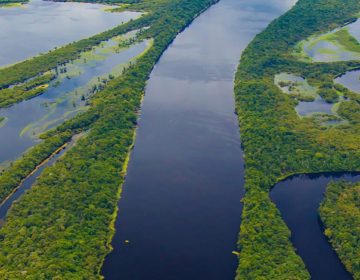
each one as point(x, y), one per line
point(179, 215)
point(40, 26)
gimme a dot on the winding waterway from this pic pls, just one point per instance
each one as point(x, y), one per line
point(40, 26)
point(179, 214)
point(298, 199)
point(28, 182)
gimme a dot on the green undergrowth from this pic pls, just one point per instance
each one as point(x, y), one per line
point(62, 227)
point(340, 213)
point(277, 142)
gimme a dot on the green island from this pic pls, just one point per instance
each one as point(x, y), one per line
point(340, 213)
point(277, 142)
point(62, 227)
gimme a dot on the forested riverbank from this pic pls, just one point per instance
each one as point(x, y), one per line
point(277, 141)
point(341, 216)
point(62, 227)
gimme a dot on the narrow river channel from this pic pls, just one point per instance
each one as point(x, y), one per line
point(27, 30)
point(179, 215)
point(28, 182)
point(298, 199)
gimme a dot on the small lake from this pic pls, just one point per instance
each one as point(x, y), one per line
point(298, 199)
point(319, 105)
point(320, 49)
point(65, 97)
point(293, 84)
point(351, 80)
point(40, 26)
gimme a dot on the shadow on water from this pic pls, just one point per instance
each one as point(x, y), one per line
point(298, 198)
point(179, 214)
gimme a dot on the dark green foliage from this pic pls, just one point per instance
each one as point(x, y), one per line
point(61, 228)
point(277, 142)
point(329, 95)
point(21, 168)
point(350, 110)
point(30, 89)
point(340, 213)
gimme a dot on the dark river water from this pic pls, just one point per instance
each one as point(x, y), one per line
point(298, 199)
point(39, 26)
point(179, 215)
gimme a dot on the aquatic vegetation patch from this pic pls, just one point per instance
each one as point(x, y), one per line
point(3, 121)
point(38, 85)
point(68, 233)
point(77, 99)
point(310, 100)
point(296, 87)
point(337, 45)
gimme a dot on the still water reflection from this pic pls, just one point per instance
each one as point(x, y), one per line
point(180, 209)
point(40, 26)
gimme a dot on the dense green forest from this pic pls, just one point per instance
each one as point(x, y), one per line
point(340, 213)
point(277, 142)
point(62, 227)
